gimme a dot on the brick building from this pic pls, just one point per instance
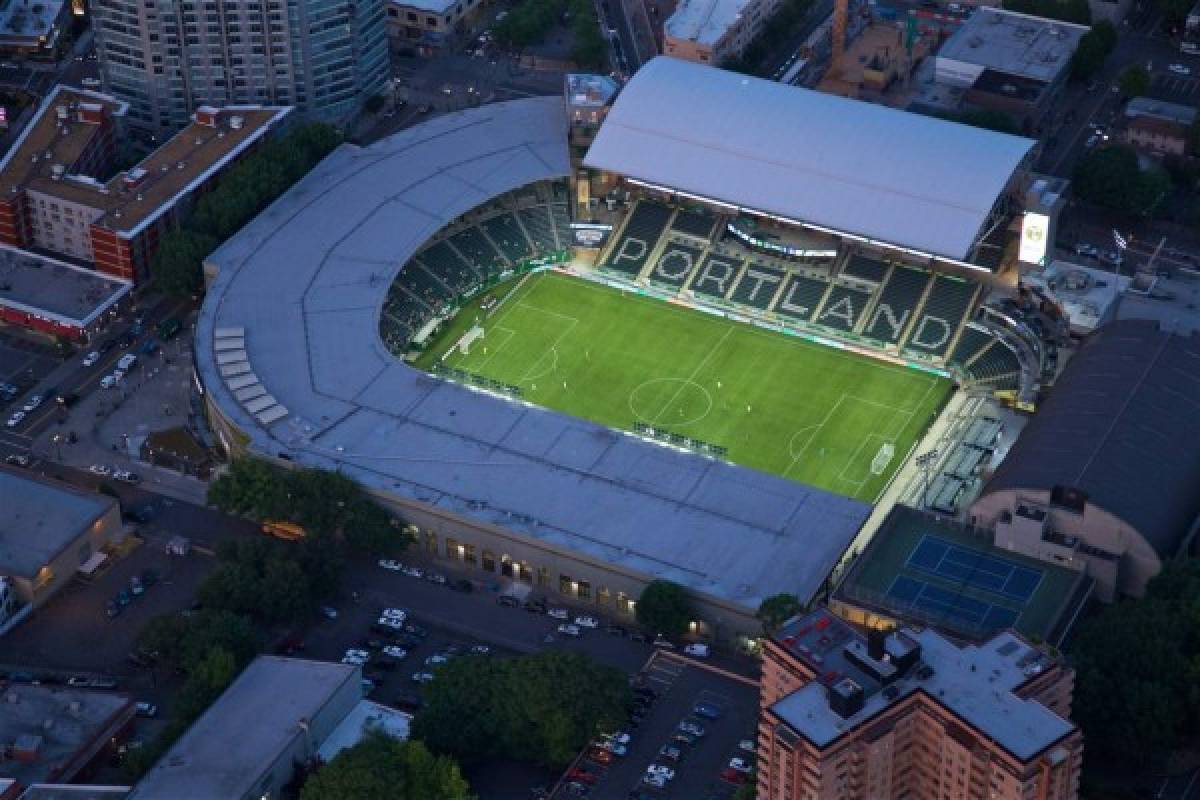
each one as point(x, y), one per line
point(60, 190)
point(910, 714)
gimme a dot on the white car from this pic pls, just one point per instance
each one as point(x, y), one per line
point(1179, 69)
point(91, 358)
point(435, 659)
point(697, 650)
point(99, 469)
point(392, 622)
point(108, 382)
point(570, 630)
point(395, 613)
point(391, 564)
point(126, 475)
point(422, 677)
point(620, 737)
point(15, 419)
point(614, 747)
point(354, 661)
point(358, 652)
point(32, 403)
point(394, 651)
point(413, 572)
point(587, 622)
point(558, 613)
point(747, 745)
point(658, 769)
point(740, 764)
point(657, 781)
point(1084, 249)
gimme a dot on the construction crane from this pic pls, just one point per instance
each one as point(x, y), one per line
point(838, 34)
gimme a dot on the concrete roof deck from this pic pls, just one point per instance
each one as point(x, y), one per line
point(703, 21)
point(305, 283)
point(199, 148)
point(872, 172)
point(55, 289)
point(224, 752)
point(1017, 44)
point(40, 518)
point(975, 682)
point(73, 728)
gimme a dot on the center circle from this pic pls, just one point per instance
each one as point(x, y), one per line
point(670, 402)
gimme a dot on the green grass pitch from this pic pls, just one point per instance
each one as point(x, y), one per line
point(777, 403)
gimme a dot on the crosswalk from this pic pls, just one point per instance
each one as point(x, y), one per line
point(1166, 86)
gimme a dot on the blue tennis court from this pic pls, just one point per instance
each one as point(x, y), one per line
point(937, 556)
point(949, 605)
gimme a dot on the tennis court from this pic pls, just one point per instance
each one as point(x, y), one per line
point(950, 605)
point(937, 556)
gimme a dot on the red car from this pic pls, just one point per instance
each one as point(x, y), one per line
point(600, 756)
point(581, 775)
point(731, 775)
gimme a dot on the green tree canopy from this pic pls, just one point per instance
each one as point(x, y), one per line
point(183, 640)
point(665, 608)
point(540, 708)
point(177, 263)
point(1076, 11)
point(382, 768)
point(778, 609)
point(1137, 668)
point(261, 578)
point(1134, 81)
point(1093, 49)
point(1112, 177)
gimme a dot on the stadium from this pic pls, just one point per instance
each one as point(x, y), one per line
point(696, 347)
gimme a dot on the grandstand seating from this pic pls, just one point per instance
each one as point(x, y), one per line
point(440, 260)
point(897, 301)
point(562, 223)
point(539, 226)
point(716, 275)
point(949, 300)
point(843, 309)
point(998, 367)
point(758, 286)
point(505, 232)
point(675, 264)
point(801, 297)
point(865, 267)
point(696, 223)
point(970, 344)
point(475, 247)
point(642, 231)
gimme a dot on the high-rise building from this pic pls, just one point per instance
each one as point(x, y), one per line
point(166, 58)
point(910, 714)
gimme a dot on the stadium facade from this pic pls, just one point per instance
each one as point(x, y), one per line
point(312, 307)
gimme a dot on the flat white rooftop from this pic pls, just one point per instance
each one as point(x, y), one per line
point(1016, 44)
point(305, 283)
point(429, 6)
point(704, 21)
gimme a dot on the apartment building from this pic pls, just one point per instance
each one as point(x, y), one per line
point(713, 31)
point(428, 27)
point(910, 714)
point(167, 59)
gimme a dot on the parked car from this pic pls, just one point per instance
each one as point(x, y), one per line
point(747, 745)
point(600, 755)
point(436, 577)
point(32, 403)
point(148, 710)
point(127, 476)
point(670, 753)
point(616, 748)
point(582, 776)
point(18, 460)
point(706, 710)
point(100, 469)
point(329, 612)
point(1179, 69)
point(731, 775)
point(436, 659)
point(683, 738)
point(384, 624)
point(91, 358)
point(395, 652)
point(15, 419)
point(587, 622)
point(391, 564)
point(697, 650)
point(567, 629)
point(422, 677)
point(740, 764)
point(657, 781)
point(694, 728)
point(508, 600)
point(659, 769)
point(480, 650)
point(413, 572)
point(558, 613)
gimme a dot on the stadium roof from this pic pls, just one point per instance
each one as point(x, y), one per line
point(1123, 425)
point(304, 284)
point(853, 167)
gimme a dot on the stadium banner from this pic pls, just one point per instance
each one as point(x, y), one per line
point(1035, 229)
point(590, 234)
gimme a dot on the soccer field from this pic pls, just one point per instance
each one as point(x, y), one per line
point(777, 403)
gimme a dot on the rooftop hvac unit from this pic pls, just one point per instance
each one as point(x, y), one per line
point(236, 122)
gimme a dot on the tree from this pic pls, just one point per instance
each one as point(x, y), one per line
point(747, 791)
point(177, 264)
point(1093, 49)
point(207, 678)
point(1112, 177)
point(261, 578)
point(382, 768)
point(778, 609)
point(1137, 663)
point(539, 708)
point(1193, 138)
point(1134, 81)
point(665, 608)
point(182, 641)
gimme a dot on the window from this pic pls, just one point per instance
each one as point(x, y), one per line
point(564, 584)
point(453, 548)
point(412, 17)
point(469, 554)
point(624, 604)
point(585, 590)
point(603, 596)
point(543, 578)
point(489, 561)
point(431, 21)
point(506, 565)
point(524, 573)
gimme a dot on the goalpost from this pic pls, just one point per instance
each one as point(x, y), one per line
point(883, 458)
point(463, 345)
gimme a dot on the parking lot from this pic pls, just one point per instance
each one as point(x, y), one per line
point(23, 364)
point(674, 690)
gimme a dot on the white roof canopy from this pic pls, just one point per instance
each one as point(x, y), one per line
point(887, 175)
